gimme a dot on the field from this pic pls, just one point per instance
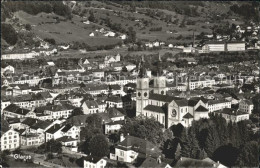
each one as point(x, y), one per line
point(44, 26)
point(13, 163)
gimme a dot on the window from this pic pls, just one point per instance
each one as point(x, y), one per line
point(121, 153)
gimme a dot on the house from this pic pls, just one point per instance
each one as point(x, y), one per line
point(54, 132)
point(130, 148)
point(212, 46)
point(153, 162)
point(94, 162)
point(71, 131)
point(130, 67)
point(113, 126)
point(21, 89)
point(8, 69)
point(236, 46)
point(69, 143)
point(90, 107)
point(232, 115)
point(92, 34)
point(10, 139)
point(110, 34)
point(246, 106)
point(115, 89)
point(31, 139)
point(189, 162)
point(57, 111)
point(95, 89)
point(101, 105)
point(20, 55)
point(114, 101)
point(14, 111)
point(115, 114)
point(215, 105)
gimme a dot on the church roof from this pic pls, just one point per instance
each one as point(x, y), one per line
point(154, 108)
point(164, 98)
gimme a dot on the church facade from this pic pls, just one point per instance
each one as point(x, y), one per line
point(168, 110)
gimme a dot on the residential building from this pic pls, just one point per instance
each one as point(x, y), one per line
point(10, 139)
point(94, 162)
point(246, 106)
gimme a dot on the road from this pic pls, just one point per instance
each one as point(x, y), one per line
point(40, 159)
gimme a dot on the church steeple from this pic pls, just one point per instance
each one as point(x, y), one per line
point(142, 71)
point(142, 89)
point(159, 79)
point(159, 66)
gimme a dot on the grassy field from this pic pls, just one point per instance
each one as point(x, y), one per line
point(14, 163)
point(44, 26)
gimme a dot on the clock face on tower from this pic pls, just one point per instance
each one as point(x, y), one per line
point(139, 94)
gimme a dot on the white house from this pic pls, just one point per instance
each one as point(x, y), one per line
point(10, 139)
point(246, 106)
point(9, 68)
point(94, 162)
point(90, 107)
point(233, 115)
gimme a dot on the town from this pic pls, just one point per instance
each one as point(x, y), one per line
point(122, 101)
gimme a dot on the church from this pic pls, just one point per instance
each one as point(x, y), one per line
point(168, 110)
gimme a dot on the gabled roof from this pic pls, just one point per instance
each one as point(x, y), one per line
point(231, 111)
point(114, 99)
point(29, 121)
point(66, 127)
point(152, 162)
point(154, 108)
point(114, 87)
point(114, 112)
point(139, 145)
point(41, 124)
point(54, 128)
point(188, 116)
point(182, 102)
point(92, 159)
point(248, 102)
point(16, 109)
point(163, 98)
point(91, 104)
point(201, 109)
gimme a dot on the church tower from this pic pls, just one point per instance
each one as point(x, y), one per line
point(159, 86)
point(142, 89)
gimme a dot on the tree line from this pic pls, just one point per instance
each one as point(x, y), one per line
point(215, 138)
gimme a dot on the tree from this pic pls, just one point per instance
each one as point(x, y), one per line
point(212, 141)
point(52, 146)
point(28, 27)
point(131, 35)
point(98, 146)
point(249, 155)
point(91, 17)
point(9, 34)
point(142, 127)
